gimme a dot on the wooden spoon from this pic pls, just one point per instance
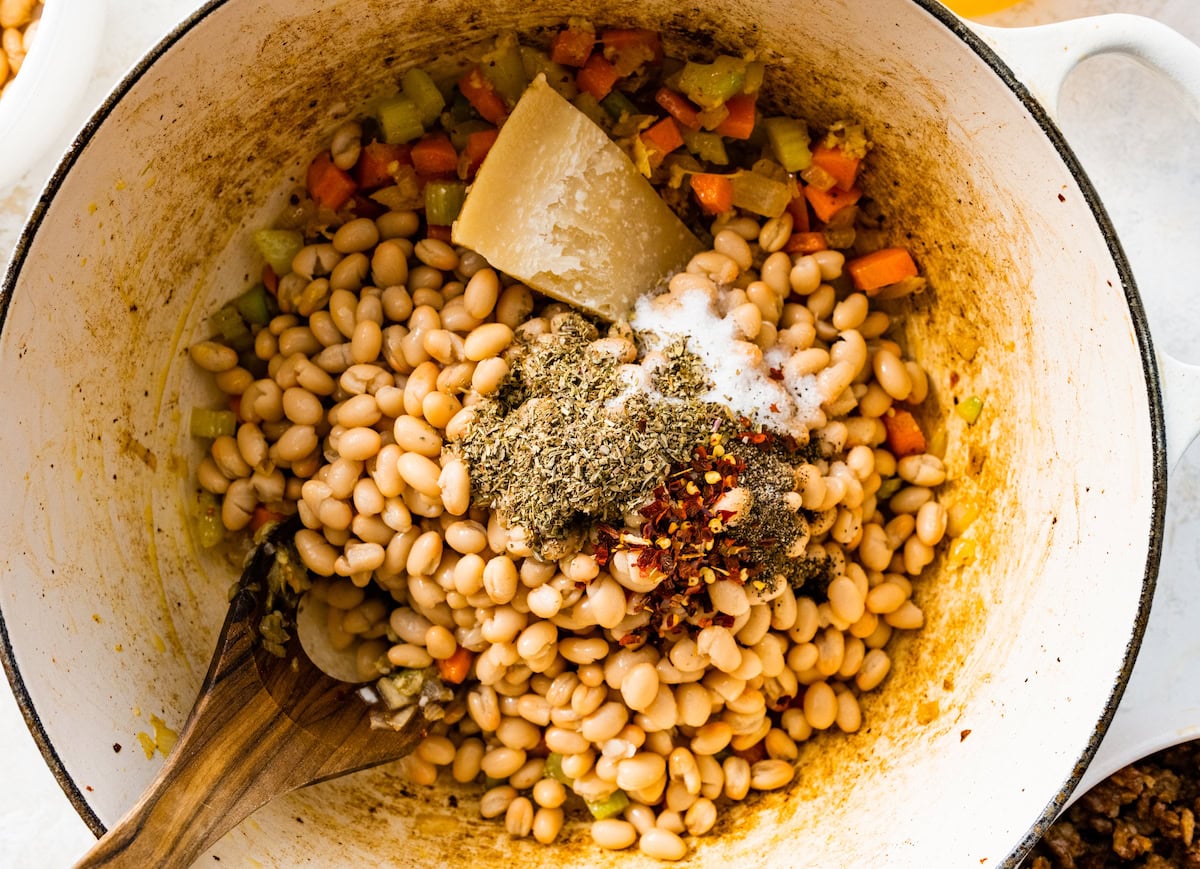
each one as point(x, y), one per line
point(263, 725)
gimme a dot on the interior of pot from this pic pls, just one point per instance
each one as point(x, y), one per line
point(111, 610)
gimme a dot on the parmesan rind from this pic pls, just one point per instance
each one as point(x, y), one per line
point(559, 206)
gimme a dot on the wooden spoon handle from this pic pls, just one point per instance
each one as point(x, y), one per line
point(227, 764)
point(262, 726)
point(238, 749)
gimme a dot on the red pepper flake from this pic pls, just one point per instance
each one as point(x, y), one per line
point(775, 373)
point(686, 539)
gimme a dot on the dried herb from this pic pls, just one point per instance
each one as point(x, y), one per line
point(561, 446)
point(682, 374)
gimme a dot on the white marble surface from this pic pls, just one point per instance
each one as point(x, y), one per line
point(1142, 149)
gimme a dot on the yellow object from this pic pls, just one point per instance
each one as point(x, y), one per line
point(559, 206)
point(972, 8)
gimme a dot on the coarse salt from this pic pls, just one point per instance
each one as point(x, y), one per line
point(739, 371)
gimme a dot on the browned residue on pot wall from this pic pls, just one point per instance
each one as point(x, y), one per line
point(215, 148)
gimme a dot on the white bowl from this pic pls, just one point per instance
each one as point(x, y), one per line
point(53, 78)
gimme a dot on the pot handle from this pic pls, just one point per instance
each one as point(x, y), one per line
point(1159, 707)
point(1042, 58)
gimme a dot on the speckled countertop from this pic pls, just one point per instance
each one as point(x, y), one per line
point(1137, 141)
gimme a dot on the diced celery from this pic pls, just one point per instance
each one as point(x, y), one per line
point(419, 87)
point(460, 132)
point(557, 76)
point(505, 69)
point(755, 72)
point(443, 201)
point(207, 520)
point(841, 238)
point(617, 104)
point(408, 681)
point(590, 106)
point(553, 769)
point(279, 247)
point(399, 120)
point(460, 108)
point(249, 360)
point(760, 194)
point(970, 408)
point(710, 84)
point(710, 119)
point(709, 147)
point(613, 804)
point(887, 488)
point(206, 423)
point(789, 142)
point(230, 324)
point(255, 305)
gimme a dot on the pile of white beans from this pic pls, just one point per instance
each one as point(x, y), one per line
point(386, 343)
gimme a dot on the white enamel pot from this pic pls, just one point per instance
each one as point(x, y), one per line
point(991, 712)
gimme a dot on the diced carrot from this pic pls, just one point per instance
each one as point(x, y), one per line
point(628, 50)
point(455, 668)
point(597, 77)
point(378, 162)
point(838, 164)
point(572, 47)
point(798, 208)
point(433, 156)
point(806, 242)
point(904, 436)
point(713, 192)
point(881, 268)
point(482, 95)
point(478, 145)
point(826, 203)
point(262, 515)
point(678, 107)
point(663, 137)
point(740, 122)
point(270, 279)
point(328, 185)
point(441, 233)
